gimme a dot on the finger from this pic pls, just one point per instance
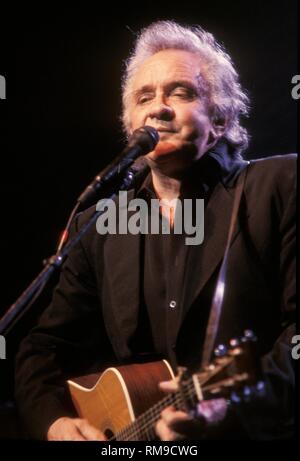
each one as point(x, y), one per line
point(64, 429)
point(90, 432)
point(182, 424)
point(165, 433)
point(71, 433)
point(170, 414)
point(169, 386)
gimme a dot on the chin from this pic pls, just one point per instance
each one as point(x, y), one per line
point(166, 148)
point(173, 149)
point(172, 163)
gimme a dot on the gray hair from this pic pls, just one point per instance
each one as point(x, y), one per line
point(227, 98)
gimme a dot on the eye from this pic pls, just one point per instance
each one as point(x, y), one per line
point(183, 93)
point(144, 98)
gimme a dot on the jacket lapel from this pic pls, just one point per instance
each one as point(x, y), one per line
point(122, 266)
point(204, 259)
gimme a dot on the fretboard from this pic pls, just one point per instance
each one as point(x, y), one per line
point(143, 428)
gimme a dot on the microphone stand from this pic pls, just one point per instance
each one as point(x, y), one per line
point(54, 263)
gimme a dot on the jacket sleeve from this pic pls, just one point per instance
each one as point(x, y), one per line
point(272, 416)
point(70, 328)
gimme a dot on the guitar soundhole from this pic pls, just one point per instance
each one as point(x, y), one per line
point(108, 433)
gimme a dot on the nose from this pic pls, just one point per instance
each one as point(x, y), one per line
point(161, 111)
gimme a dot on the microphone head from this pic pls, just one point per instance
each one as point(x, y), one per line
point(146, 137)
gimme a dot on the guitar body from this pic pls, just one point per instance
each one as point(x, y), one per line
point(112, 400)
point(125, 402)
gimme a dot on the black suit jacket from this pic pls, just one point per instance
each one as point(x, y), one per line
point(94, 311)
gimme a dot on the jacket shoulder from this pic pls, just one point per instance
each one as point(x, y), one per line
point(276, 169)
point(276, 162)
point(272, 181)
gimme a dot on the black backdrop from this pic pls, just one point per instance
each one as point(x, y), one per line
point(60, 121)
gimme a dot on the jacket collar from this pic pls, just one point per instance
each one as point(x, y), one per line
point(219, 164)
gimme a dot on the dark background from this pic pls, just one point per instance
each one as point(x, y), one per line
point(60, 121)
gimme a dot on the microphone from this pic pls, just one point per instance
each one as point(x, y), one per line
point(141, 142)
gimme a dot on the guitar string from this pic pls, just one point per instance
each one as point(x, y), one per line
point(147, 430)
point(140, 426)
point(148, 424)
point(146, 420)
point(152, 415)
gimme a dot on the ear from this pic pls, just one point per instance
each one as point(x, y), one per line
point(219, 124)
point(218, 127)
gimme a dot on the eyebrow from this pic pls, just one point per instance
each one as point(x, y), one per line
point(168, 86)
point(144, 89)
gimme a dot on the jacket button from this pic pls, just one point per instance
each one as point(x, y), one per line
point(172, 304)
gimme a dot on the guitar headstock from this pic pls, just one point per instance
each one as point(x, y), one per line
point(235, 373)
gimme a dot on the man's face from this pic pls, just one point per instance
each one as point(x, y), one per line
point(167, 96)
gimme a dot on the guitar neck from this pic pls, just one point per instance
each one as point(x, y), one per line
point(143, 426)
point(212, 383)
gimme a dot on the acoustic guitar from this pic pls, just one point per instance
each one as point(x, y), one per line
point(124, 402)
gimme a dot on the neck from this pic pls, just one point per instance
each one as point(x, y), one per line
point(168, 177)
point(166, 187)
